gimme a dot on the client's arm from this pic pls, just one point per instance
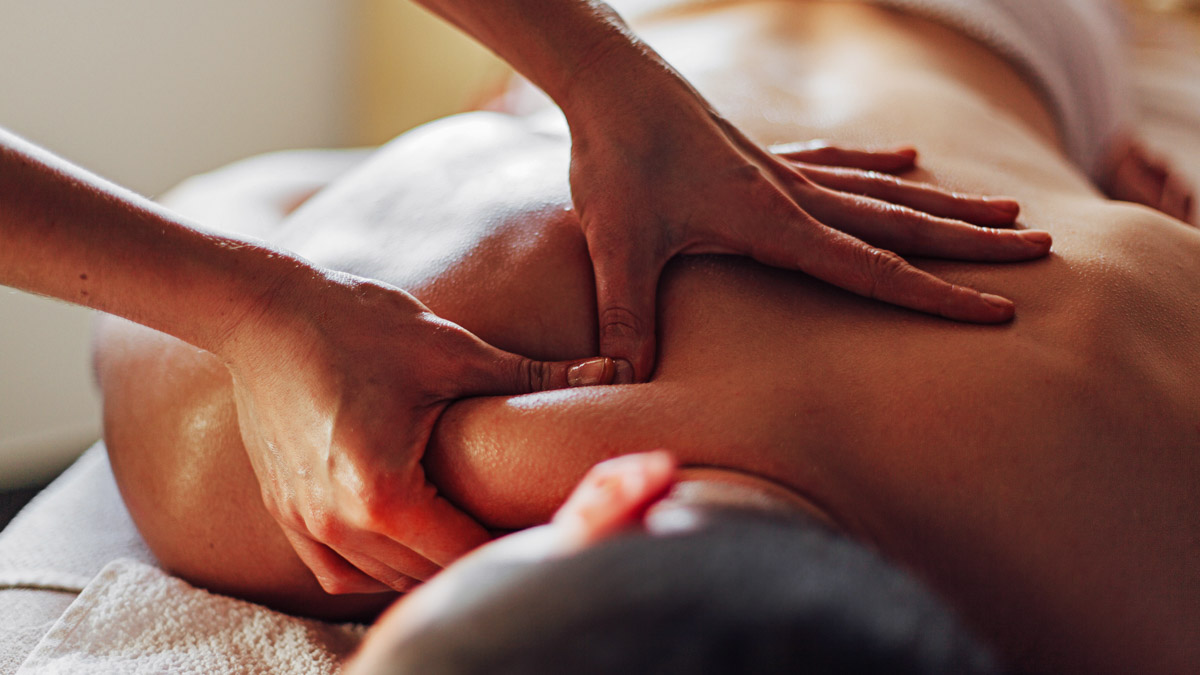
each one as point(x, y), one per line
point(656, 172)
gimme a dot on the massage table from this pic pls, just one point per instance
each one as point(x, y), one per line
point(81, 593)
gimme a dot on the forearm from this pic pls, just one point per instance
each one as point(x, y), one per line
point(68, 234)
point(577, 51)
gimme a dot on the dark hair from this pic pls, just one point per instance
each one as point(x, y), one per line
point(743, 594)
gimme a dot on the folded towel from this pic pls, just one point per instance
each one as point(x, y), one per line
point(71, 530)
point(134, 618)
point(54, 548)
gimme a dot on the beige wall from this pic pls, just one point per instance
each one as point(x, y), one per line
point(145, 92)
point(414, 68)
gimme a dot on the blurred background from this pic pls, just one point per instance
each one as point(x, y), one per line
point(148, 92)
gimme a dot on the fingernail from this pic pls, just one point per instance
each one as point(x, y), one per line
point(997, 301)
point(625, 374)
point(632, 483)
point(659, 463)
point(1003, 205)
point(1038, 238)
point(590, 373)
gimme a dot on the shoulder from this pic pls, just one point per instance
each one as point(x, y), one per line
point(461, 174)
point(470, 137)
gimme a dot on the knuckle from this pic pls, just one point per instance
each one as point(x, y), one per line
point(883, 269)
point(275, 509)
point(370, 513)
point(292, 519)
point(749, 173)
point(335, 584)
point(619, 324)
point(533, 375)
point(373, 506)
point(286, 514)
point(328, 529)
point(756, 181)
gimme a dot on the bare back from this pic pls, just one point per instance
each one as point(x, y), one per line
point(1042, 475)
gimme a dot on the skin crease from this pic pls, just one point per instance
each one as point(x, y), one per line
point(1041, 475)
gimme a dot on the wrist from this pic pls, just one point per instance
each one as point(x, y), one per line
point(265, 302)
point(613, 81)
point(651, 114)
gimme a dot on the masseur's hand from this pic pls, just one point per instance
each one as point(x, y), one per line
point(339, 382)
point(656, 173)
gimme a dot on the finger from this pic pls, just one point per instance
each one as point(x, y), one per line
point(625, 295)
point(909, 232)
point(819, 152)
point(431, 527)
point(388, 562)
point(846, 262)
point(396, 527)
point(496, 372)
point(616, 494)
point(986, 211)
point(385, 574)
point(335, 575)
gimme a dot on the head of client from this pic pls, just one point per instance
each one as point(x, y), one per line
point(645, 570)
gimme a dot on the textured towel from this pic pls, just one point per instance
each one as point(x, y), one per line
point(71, 530)
point(130, 616)
point(54, 548)
point(134, 618)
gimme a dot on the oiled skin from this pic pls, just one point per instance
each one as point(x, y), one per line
point(1041, 475)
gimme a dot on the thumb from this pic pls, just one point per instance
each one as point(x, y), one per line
point(497, 372)
point(625, 296)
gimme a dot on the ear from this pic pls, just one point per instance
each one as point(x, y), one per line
point(615, 494)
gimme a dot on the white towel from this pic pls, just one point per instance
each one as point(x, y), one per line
point(54, 548)
point(129, 615)
point(134, 618)
point(71, 530)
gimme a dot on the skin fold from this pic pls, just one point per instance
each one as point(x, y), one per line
point(1039, 475)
